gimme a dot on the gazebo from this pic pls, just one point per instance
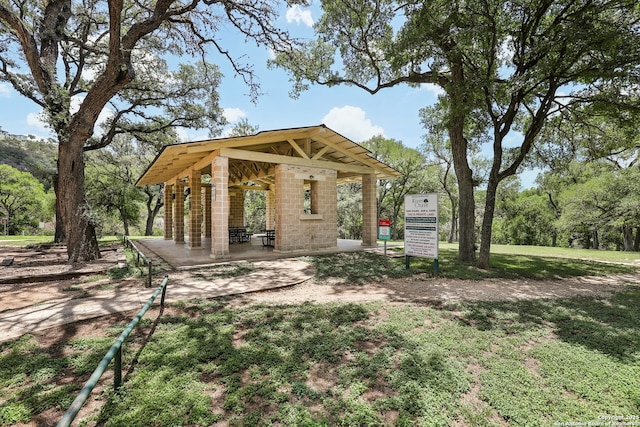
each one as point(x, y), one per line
point(286, 163)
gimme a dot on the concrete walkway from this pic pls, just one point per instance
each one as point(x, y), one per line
point(186, 285)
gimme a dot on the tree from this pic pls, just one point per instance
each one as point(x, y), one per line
point(391, 192)
point(506, 66)
point(22, 199)
point(350, 211)
point(111, 174)
point(28, 155)
point(606, 207)
point(93, 54)
point(523, 217)
point(579, 147)
point(437, 149)
point(376, 56)
point(243, 128)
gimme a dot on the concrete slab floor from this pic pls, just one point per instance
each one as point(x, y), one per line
point(180, 256)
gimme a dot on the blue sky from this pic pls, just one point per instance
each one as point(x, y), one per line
point(350, 111)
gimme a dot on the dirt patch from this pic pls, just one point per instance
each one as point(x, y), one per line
point(425, 289)
point(40, 275)
point(66, 281)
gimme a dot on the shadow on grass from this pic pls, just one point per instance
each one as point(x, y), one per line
point(361, 267)
point(608, 325)
point(261, 359)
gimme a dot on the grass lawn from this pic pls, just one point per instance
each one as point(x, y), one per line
point(24, 240)
point(515, 363)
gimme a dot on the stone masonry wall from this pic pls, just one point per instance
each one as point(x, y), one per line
point(295, 230)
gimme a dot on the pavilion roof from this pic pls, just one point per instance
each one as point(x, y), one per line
point(252, 159)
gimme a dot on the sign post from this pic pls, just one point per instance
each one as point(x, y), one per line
point(384, 233)
point(421, 227)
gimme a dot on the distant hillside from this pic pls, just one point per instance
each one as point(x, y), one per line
point(38, 157)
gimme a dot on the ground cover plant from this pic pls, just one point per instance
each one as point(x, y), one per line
point(476, 363)
point(524, 363)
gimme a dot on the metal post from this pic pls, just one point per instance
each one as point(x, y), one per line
point(385, 253)
point(149, 282)
point(436, 266)
point(406, 262)
point(164, 292)
point(117, 369)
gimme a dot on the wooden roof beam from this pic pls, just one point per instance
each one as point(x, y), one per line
point(275, 158)
point(345, 151)
point(321, 152)
point(298, 149)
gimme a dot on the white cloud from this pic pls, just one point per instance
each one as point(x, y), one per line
point(234, 114)
point(190, 135)
point(352, 122)
point(433, 89)
point(298, 15)
point(5, 90)
point(36, 120)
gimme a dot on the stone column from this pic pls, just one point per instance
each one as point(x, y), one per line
point(168, 211)
point(270, 208)
point(220, 208)
point(178, 212)
point(207, 210)
point(369, 211)
point(195, 211)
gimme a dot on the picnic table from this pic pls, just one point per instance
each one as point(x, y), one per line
point(239, 235)
point(268, 238)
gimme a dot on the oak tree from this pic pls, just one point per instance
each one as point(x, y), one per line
point(508, 64)
point(73, 58)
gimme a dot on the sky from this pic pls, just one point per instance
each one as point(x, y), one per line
point(352, 112)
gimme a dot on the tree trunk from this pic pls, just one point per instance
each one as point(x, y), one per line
point(454, 215)
point(554, 239)
point(59, 233)
point(487, 222)
point(464, 174)
point(125, 222)
point(466, 211)
point(454, 223)
point(80, 233)
point(636, 241)
point(627, 238)
point(152, 212)
point(596, 239)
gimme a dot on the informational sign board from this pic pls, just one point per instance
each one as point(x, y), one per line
point(384, 229)
point(421, 225)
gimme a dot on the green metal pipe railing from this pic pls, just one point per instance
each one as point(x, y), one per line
point(115, 353)
point(128, 243)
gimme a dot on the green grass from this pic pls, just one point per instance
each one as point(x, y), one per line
point(361, 267)
point(23, 241)
point(516, 363)
point(529, 363)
